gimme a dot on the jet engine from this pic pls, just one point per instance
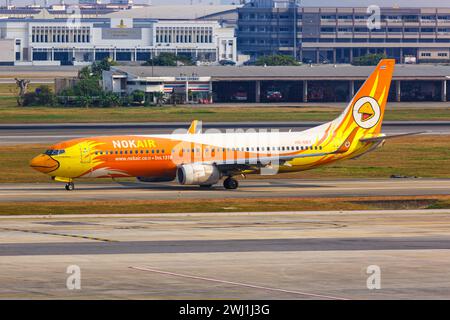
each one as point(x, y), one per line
point(198, 174)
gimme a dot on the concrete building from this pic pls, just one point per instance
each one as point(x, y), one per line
point(62, 41)
point(293, 84)
point(339, 34)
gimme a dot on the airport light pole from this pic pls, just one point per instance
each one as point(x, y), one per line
point(296, 6)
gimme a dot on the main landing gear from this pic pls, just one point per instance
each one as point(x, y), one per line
point(70, 186)
point(230, 183)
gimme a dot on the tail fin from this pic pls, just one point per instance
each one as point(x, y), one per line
point(366, 110)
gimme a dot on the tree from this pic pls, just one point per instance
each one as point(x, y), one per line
point(276, 60)
point(160, 98)
point(168, 59)
point(85, 73)
point(105, 65)
point(22, 84)
point(88, 87)
point(369, 59)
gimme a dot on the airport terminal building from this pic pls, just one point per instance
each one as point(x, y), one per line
point(339, 34)
point(61, 41)
point(254, 84)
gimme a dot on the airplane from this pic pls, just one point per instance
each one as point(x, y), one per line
point(204, 158)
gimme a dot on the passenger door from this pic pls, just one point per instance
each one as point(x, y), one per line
point(85, 153)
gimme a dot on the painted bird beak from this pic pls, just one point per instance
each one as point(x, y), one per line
point(44, 163)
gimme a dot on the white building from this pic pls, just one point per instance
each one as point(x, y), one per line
point(67, 41)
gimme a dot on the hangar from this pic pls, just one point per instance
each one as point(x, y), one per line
point(307, 83)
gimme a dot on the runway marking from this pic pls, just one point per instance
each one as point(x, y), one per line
point(240, 284)
point(58, 234)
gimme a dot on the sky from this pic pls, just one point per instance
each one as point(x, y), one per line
point(315, 3)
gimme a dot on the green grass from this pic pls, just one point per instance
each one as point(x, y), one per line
point(223, 205)
point(423, 156)
point(10, 113)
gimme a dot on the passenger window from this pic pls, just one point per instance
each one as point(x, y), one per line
point(153, 151)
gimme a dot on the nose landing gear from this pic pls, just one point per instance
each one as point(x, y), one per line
point(70, 186)
point(230, 183)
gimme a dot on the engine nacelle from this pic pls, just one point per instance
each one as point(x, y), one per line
point(198, 174)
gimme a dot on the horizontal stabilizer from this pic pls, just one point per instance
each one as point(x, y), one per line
point(384, 137)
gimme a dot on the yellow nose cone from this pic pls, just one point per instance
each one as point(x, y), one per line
point(44, 163)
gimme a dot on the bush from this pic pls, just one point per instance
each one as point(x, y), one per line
point(368, 59)
point(43, 96)
point(277, 60)
point(138, 97)
point(109, 99)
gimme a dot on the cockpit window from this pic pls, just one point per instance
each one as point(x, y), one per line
point(53, 152)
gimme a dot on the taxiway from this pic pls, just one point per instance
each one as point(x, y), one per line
point(277, 255)
point(13, 134)
point(249, 188)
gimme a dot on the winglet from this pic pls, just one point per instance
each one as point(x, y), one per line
point(196, 127)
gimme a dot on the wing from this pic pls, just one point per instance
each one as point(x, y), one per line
point(257, 162)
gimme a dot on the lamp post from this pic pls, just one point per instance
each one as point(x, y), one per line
point(296, 5)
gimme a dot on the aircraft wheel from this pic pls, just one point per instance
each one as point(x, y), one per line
point(230, 183)
point(70, 186)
